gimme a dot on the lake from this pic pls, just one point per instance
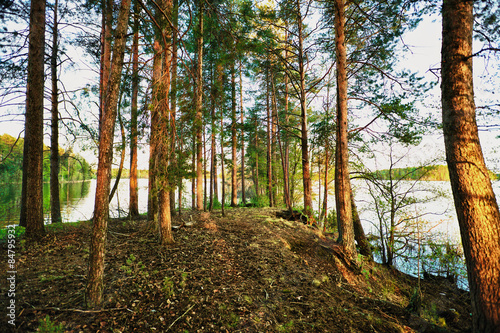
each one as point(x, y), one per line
point(77, 201)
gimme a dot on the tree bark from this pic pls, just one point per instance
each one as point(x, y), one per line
point(475, 203)
point(204, 171)
point(256, 141)
point(342, 181)
point(133, 186)
point(359, 233)
point(165, 218)
point(173, 99)
point(324, 209)
point(274, 135)
point(32, 197)
point(199, 110)
point(286, 157)
point(106, 29)
point(101, 207)
point(242, 134)
point(306, 176)
point(268, 137)
point(55, 203)
point(164, 139)
point(212, 140)
point(234, 154)
point(153, 138)
point(223, 173)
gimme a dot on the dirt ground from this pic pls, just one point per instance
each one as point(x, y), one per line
point(249, 271)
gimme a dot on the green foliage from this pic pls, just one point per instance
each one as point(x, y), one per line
point(72, 167)
point(234, 319)
point(18, 232)
point(331, 221)
point(430, 172)
point(48, 326)
point(11, 158)
point(287, 327)
point(168, 287)
point(134, 267)
point(444, 259)
point(260, 201)
point(131, 259)
point(183, 282)
point(216, 203)
point(427, 173)
point(415, 304)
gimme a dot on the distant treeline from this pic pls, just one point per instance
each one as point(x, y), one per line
point(430, 173)
point(126, 173)
point(72, 167)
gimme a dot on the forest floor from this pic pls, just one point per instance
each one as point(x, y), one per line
point(249, 271)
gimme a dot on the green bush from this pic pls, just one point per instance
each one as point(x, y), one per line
point(444, 259)
point(216, 203)
point(260, 201)
point(331, 221)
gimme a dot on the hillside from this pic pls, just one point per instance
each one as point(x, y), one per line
point(247, 272)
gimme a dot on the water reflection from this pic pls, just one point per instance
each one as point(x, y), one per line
point(10, 203)
point(77, 201)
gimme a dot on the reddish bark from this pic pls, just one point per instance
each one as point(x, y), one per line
point(477, 210)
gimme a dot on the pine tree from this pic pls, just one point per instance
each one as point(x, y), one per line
point(475, 203)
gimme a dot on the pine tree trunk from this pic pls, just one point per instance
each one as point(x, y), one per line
point(133, 186)
point(212, 141)
point(164, 138)
point(286, 190)
point(223, 174)
point(55, 203)
point(268, 137)
point(106, 29)
point(234, 154)
point(198, 107)
point(274, 132)
point(342, 181)
point(204, 171)
point(173, 99)
point(101, 207)
point(324, 209)
point(477, 210)
point(165, 217)
point(256, 141)
point(193, 179)
point(32, 197)
point(304, 140)
point(286, 157)
point(242, 134)
point(154, 135)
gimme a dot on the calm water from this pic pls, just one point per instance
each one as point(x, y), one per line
point(77, 201)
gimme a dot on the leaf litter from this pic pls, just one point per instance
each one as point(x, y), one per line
point(249, 271)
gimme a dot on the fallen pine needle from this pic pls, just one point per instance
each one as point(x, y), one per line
point(83, 311)
point(192, 306)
